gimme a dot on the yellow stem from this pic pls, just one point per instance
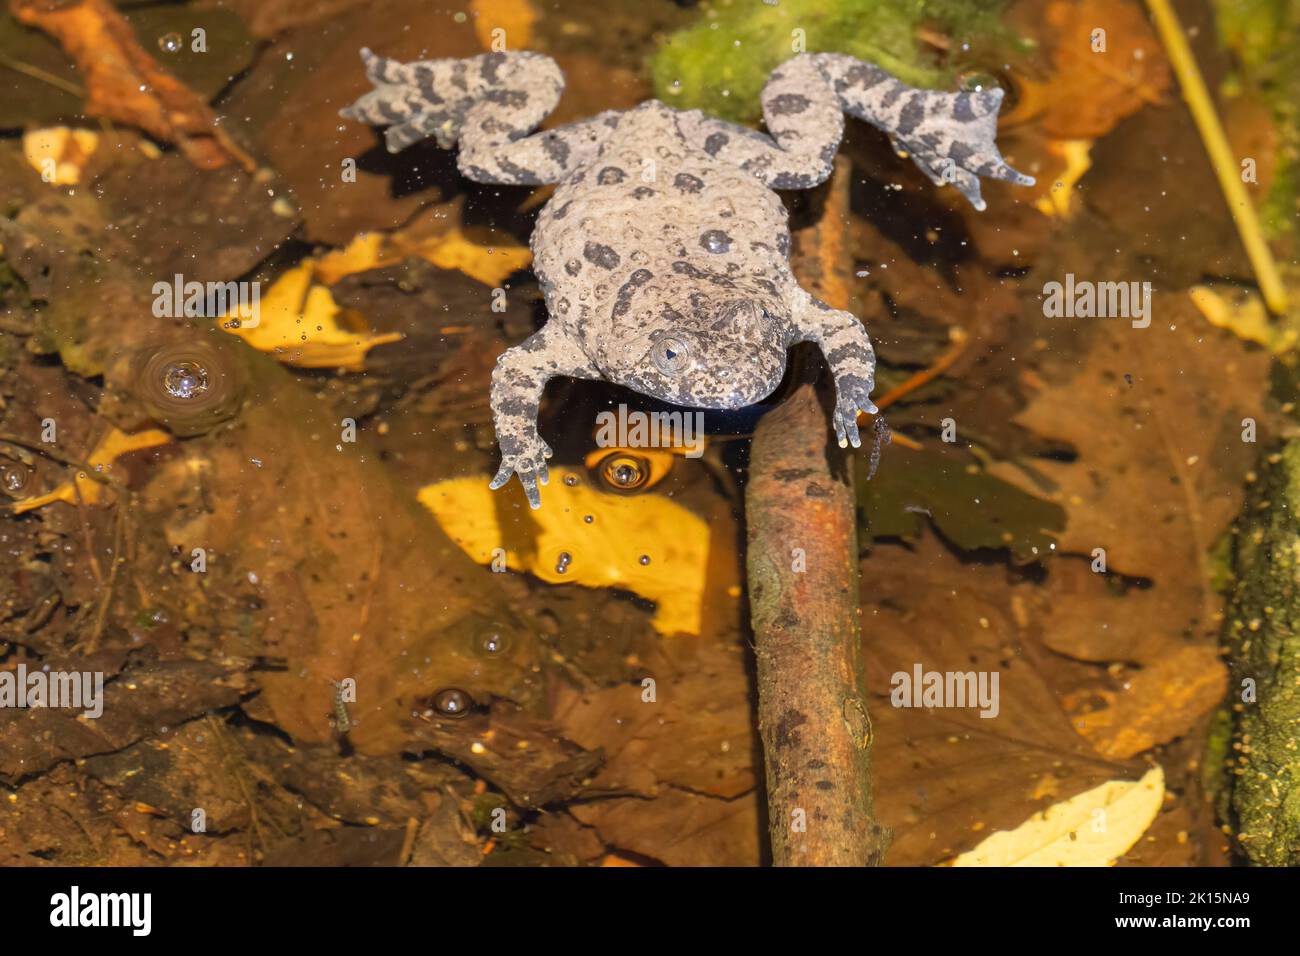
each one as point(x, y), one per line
point(1221, 157)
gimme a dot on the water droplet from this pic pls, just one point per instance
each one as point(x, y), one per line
point(643, 560)
point(571, 480)
point(588, 518)
point(185, 380)
point(452, 702)
point(170, 42)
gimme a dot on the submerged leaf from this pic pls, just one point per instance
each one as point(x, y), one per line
point(299, 324)
point(971, 508)
point(1095, 828)
point(622, 546)
point(109, 449)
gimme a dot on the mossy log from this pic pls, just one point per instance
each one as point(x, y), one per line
point(1263, 631)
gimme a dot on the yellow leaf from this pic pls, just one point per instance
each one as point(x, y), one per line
point(605, 552)
point(110, 448)
point(479, 255)
point(59, 154)
point(486, 255)
point(514, 17)
point(1095, 828)
point(1059, 200)
point(1245, 316)
point(298, 322)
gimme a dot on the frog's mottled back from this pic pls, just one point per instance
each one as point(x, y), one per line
point(663, 254)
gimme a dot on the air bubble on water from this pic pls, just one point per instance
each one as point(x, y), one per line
point(14, 478)
point(643, 560)
point(452, 702)
point(493, 643)
point(185, 380)
point(571, 480)
point(588, 518)
point(562, 563)
point(169, 43)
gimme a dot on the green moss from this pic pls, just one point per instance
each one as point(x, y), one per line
point(1265, 34)
point(1263, 634)
point(719, 65)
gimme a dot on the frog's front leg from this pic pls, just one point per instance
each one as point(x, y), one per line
point(517, 385)
point(848, 352)
point(488, 104)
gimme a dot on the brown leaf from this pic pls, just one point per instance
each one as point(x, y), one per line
point(680, 828)
point(1155, 705)
point(126, 84)
point(697, 734)
point(1155, 417)
point(946, 777)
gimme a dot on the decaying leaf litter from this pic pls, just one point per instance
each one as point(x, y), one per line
point(326, 560)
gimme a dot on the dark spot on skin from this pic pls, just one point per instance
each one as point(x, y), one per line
point(563, 210)
point(787, 104)
point(642, 192)
point(491, 63)
point(715, 241)
point(892, 96)
point(959, 152)
point(562, 306)
point(793, 474)
point(816, 491)
point(850, 351)
point(787, 728)
point(573, 267)
point(514, 99)
point(783, 244)
point(961, 108)
point(599, 255)
point(792, 181)
point(714, 142)
point(864, 76)
point(610, 176)
point(517, 173)
point(912, 115)
point(557, 149)
point(688, 183)
point(824, 785)
point(634, 282)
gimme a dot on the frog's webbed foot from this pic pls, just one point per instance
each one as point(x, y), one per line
point(488, 104)
point(523, 454)
point(518, 381)
point(951, 136)
point(847, 348)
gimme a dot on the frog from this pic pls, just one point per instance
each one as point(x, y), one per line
point(663, 254)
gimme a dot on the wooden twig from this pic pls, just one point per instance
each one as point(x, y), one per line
point(803, 595)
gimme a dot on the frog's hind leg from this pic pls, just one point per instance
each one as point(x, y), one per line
point(488, 104)
point(951, 136)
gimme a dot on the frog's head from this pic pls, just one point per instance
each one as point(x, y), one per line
point(717, 353)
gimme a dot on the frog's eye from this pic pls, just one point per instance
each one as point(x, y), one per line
point(670, 354)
